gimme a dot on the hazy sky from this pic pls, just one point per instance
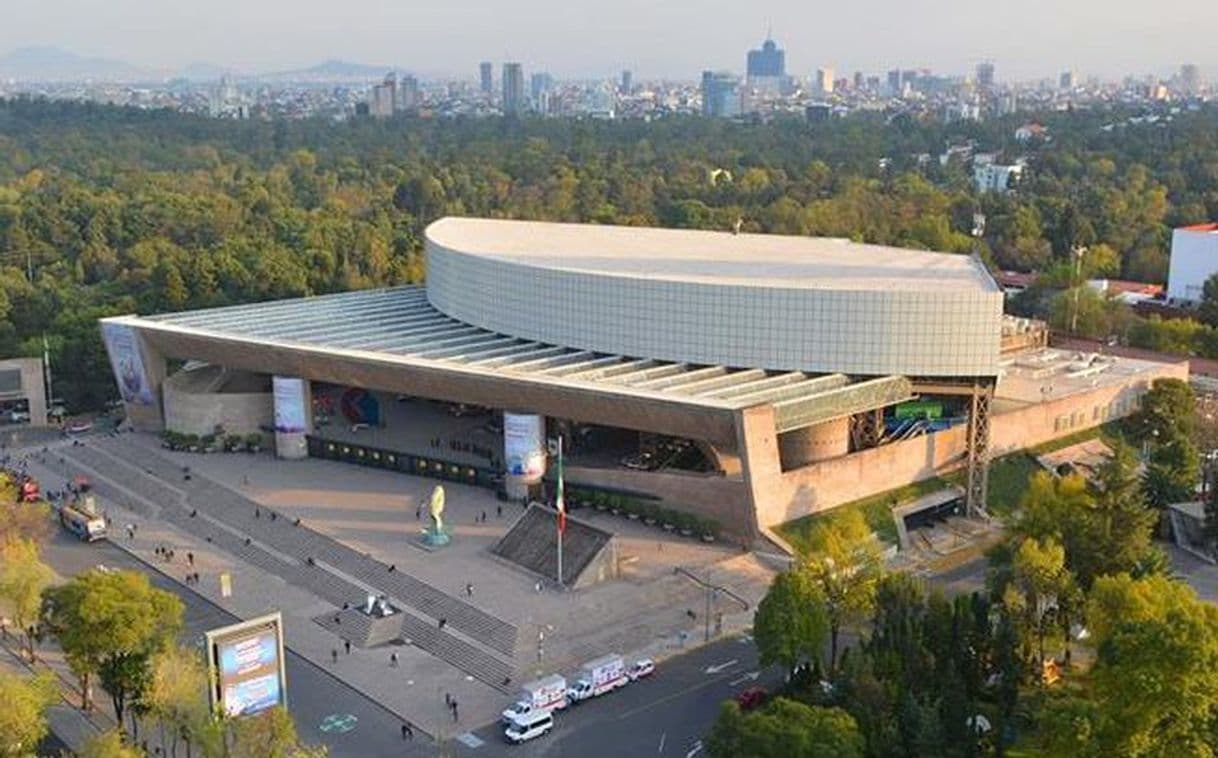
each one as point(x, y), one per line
point(674, 38)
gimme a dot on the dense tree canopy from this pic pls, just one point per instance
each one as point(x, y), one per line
point(106, 210)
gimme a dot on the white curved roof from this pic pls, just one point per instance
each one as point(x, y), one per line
point(761, 260)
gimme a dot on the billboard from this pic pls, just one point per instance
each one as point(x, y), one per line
point(524, 448)
point(123, 346)
point(290, 411)
point(246, 664)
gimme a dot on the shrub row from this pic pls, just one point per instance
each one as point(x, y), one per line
point(649, 512)
point(210, 443)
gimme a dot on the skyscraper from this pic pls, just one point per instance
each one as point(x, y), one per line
point(767, 67)
point(1067, 81)
point(822, 83)
point(720, 94)
point(513, 89)
point(408, 94)
point(1190, 78)
point(383, 96)
point(627, 82)
point(540, 84)
point(894, 83)
point(985, 75)
point(486, 73)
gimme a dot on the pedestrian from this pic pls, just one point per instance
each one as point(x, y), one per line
point(274, 515)
point(418, 512)
point(407, 734)
point(190, 559)
point(333, 655)
point(443, 622)
point(347, 646)
point(455, 716)
point(393, 660)
point(537, 586)
point(257, 512)
point(484, 517)
point(196, 577)
point(499, 510)
point(448, 700)
point(469, 589)
point(130, 531)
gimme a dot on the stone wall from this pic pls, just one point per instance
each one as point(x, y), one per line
point(200, 413)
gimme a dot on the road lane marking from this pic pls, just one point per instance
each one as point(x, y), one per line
point(752, 675)
point(661, 748)
point(697, 748)
point(721, 666)
point(470, 740)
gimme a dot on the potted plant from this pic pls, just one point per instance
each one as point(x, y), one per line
point(633, 508)
point(668, 519)
point(207, 443)
point(599, 501)
point(709, 529)
point(650, 513)
point(233, 443)
point(253, 442)
point(192, 443)
point(686, 522)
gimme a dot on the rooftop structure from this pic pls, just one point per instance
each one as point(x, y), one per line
point(1194, 259)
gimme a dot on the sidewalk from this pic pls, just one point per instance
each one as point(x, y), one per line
point(414, 690)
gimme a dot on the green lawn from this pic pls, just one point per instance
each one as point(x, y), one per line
point(1009, 476)
point(876, 510)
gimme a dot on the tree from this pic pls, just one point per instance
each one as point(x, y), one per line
point(23, 721)
point(109, 745)
point(270, 734)
point(1040, 583)
point(843, 561)
point(784, 729)
point(110, 624)
point(1207, 309)
point(28, 521)
point(1173, 471)
point(177, 695)
point(1168, 409)
point(791, 625)
point(23, 578)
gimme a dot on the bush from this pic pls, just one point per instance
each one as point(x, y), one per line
point(253, 441)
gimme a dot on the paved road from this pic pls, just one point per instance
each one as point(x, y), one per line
point(665, 715)
point(313, 694)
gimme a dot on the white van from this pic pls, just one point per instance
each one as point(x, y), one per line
point(529, 726)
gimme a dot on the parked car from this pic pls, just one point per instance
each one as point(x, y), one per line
point(19, 417)
point(545, 694)
point(529, 727)
point(751, 698)
point(80, 427)
point(640, 669)
point(605, 674)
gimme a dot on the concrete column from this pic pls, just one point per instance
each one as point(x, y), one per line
point(291, 444)
point(758, 447)
point(800, 447)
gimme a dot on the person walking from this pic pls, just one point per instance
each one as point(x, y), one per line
point(455, 716)
point(469, 589)
point(407, 732)
point(333, 655)
point(190, 559)
point(393, 660)
point(347, 646)
point(442, 623)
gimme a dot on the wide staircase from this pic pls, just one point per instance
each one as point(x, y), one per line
point(132, 475)
point(532, 543)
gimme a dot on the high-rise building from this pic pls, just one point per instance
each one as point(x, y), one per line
point(720, 94)
point(384, 95)
point(859, 80)
point(1190, 78)
point(627, 82)
point(513, 89)
point(767, 67)
point(408, 94)
point(894, 83)
point(822, 83)
point(540, 84)
point(985, 75)
point(486, 75)
point(1067, 81)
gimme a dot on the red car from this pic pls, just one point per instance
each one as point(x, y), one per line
point(751, 698)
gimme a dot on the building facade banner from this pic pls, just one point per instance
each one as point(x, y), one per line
point(123, 346)
point(247, 666)
point(524, 448)
point(290, 412)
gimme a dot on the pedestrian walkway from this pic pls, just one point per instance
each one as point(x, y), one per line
point(297, 554)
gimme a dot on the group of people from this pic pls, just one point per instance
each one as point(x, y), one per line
point(460, 446)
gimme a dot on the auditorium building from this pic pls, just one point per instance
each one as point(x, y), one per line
point(751, 379)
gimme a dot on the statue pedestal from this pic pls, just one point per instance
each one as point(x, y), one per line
point(433, 537)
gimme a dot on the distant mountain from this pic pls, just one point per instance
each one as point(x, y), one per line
point(53, 64)
point(332, 70)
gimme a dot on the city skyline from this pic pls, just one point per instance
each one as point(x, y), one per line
point(1037, 40)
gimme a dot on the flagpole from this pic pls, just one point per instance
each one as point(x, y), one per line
point(562, 507)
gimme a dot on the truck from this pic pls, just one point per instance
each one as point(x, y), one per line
point(599, 676)
point(548, 693)
point(80, 517)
